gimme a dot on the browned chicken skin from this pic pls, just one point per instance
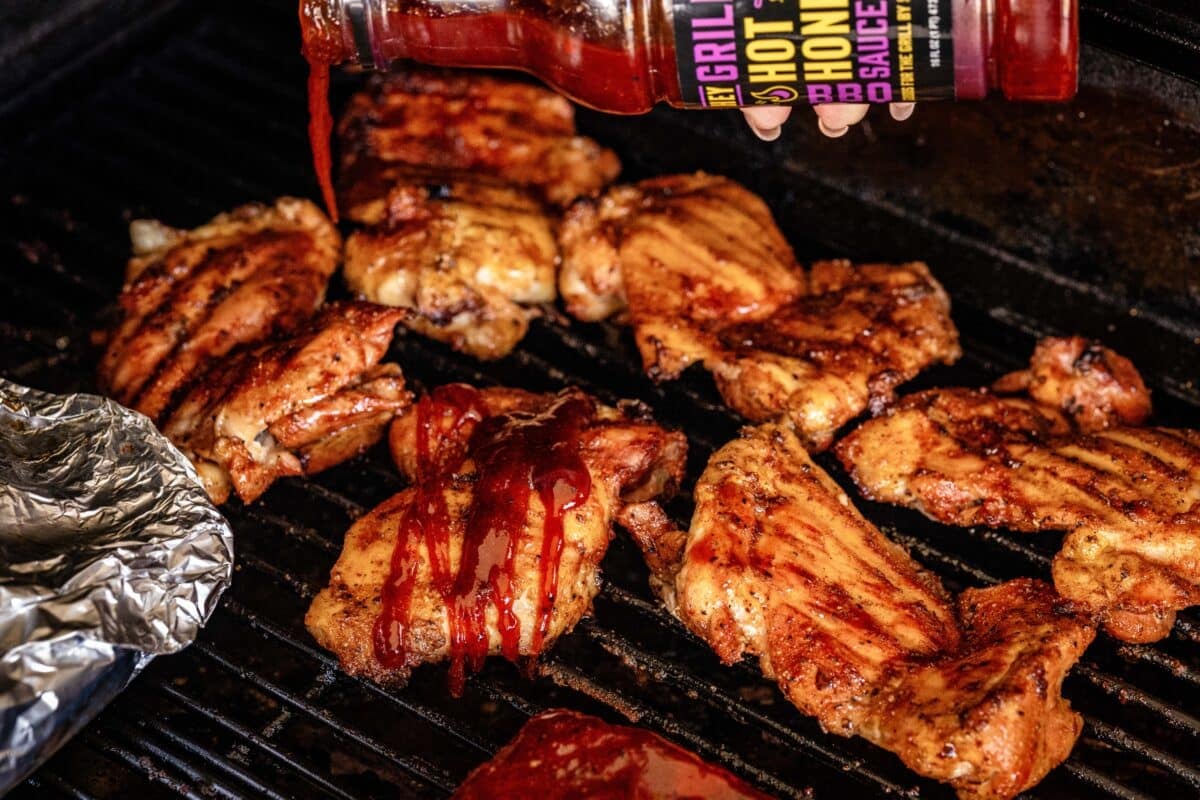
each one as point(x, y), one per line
point(1128, 497)
point(1094, 386)
point(191, 297)
point(988, 718)
point(472, 262)
point(778, 564)
point(693, 248)
point(460, 446)
point(452, 172)
point(295, 406)
point(828, 356)
point(696, 264)
point(425, 127)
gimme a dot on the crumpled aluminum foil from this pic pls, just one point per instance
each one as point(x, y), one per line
point(110, 553)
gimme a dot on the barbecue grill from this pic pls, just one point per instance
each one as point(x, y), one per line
point(1076, 219)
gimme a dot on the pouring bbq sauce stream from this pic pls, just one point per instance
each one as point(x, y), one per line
point(624, 57)
point(513, 456)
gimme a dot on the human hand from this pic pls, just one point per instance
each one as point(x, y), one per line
point(834, 119)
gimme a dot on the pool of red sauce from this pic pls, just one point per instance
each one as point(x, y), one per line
point(561, 754)
point(514, 456)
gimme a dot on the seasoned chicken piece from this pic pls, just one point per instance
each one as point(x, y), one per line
point(426, 127)
point(1128, 497)
point(191, 297)
point(470, 261)
point(694, 249)
point(1093, 385)
point(295, 406)
point(826, 357)
point(703, 274)
point(988, 718)
point(496, 546)
point(564, 755)
point(778, 564)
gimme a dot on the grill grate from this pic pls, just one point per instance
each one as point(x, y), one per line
point(211, 116)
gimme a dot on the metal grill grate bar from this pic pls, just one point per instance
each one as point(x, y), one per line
point(412, 764)
point(444, 724)
point(429, 715)
point(216, 717)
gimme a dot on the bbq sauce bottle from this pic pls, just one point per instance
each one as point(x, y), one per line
point(624, 56)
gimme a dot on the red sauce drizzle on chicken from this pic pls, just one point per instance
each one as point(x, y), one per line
point(514, 456)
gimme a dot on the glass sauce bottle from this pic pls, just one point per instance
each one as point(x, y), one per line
point(625, 56)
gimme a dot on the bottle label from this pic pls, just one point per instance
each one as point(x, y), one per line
point(770, 52)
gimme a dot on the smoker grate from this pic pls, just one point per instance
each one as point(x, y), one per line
point(210, 116)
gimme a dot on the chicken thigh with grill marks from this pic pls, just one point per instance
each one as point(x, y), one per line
point(295, 406)
point(453, 173)
point(191, 297)
point(495, 548)
point(472, 262)
point(424, 127)
point(698, 267)
point(1069, 456)
point(778, 564)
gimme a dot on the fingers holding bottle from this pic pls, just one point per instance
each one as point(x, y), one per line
point(767, 121)
point(833, 119)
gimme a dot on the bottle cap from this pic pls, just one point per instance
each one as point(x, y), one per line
point(1035, 48)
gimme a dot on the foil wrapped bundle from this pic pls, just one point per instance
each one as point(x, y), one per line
point(110, 554)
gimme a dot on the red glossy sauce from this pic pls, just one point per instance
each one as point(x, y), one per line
point(561, 755)
point(514, 455)
point(594, 62)
point(320, 131)
point(320, 37)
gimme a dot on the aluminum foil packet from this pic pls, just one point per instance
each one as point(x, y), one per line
point(110, 554)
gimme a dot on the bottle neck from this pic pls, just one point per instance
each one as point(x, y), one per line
point(613, 55)
point(364, 25)
point(327, 33)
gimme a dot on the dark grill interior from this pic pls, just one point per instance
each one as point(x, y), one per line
point(209, 113)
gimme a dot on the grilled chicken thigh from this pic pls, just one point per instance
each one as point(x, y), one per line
point(826, 357)
point(470, 261)
point(693, 249)
point(1066, 459)
point(778, 564)
point(495, 548)
point(696, 264)
point(295, 406)
point(989, 717)
point(191, 297)
point(425, 127)
point(452, 172)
